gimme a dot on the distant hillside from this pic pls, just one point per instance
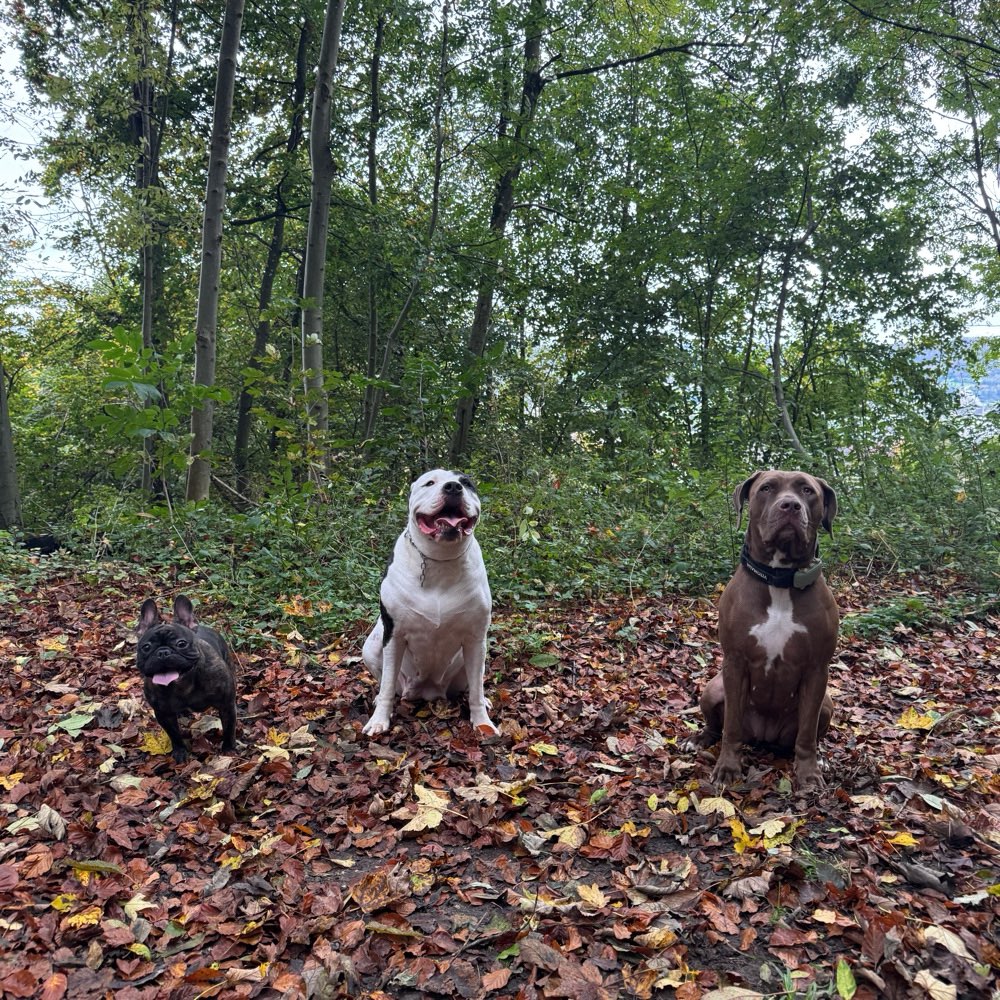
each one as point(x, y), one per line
point(982, 395)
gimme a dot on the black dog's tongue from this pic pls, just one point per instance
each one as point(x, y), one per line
point(166, 678)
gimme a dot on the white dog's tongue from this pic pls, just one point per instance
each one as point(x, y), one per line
point(168, 678)
point(455, 522)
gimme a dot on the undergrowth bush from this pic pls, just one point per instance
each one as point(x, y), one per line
point(299, 562)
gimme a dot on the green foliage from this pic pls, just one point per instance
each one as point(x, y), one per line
point(627, 382)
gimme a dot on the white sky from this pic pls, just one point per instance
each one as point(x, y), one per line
point(19, 128)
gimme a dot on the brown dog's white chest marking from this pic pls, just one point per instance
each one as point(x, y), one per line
point(773, 633)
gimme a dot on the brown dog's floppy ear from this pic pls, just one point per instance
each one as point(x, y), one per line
point(829, 505)
point(742, 493)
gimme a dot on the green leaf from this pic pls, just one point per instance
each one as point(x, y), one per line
point(846, 986)
point(544, 660)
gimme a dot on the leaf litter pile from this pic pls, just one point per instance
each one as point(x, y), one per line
point(583, 852)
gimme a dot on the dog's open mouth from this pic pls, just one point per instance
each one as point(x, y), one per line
point(168, 677)
point(446, 522)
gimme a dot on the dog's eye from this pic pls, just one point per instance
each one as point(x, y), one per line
point(465, 481)
point(808, 489)
point(181, 643)
point(765, 488)
point(146, 647)
point(430, 482)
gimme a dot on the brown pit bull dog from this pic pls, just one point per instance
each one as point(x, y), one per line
point(777, 627)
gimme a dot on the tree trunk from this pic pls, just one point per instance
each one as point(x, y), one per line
point(371, 396)
point(374, 401)
point(200, 470)
point(503, 205)
point(10, 494)
point(779, 389)
point(147, 139)
point(321, 159)
point(262, 333)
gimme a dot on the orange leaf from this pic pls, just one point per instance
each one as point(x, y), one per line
point(54, 987)
point(496, 980)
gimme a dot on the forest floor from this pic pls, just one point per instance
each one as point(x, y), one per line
point(583, 852)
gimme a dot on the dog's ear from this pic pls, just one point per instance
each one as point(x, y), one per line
point(829, 505)
point(742, 493)
point(184, 612)
point(149, 615)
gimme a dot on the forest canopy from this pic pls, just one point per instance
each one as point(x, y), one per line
point(607, 257)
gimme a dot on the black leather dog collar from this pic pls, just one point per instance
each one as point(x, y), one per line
point(784, 577)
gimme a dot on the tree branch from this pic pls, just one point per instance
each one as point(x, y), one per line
point(918, 30)
point(684, 48)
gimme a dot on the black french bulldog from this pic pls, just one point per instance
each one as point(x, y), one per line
point(185, 667)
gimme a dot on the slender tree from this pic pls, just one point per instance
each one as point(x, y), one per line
point(200, 470)
point(503, 205)
point(262, 332)
point(373, 396)
point(10, 494)
point(321, 159)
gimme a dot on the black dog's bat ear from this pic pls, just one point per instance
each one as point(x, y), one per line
point(184, 612)
point(742, 494)
point(149, 615)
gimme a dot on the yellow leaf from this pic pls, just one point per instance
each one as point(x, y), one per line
point(866, 802)
point(936, 989)
point(63, 902)
point(741, 840)
point(431, 806)
point(85, 918)
point(544, 748)
point(156, 742)
point(276, 738)
point(715, 803)
point(912, 719)
point(948, 939)
point(657, 938)
point(786, 837)
point(57, 643)
point(903, 839)
point(8, 781)
point(825, 916)
point(652, 802)
point(677, 977)
point(140, 949)
point(136, 905)
point(592, 895)
point(769, 828)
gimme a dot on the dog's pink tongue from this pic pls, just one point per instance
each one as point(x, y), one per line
point(454, 522)
point(167, 678)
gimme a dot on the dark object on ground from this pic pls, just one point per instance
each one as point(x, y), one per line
point(44, 545)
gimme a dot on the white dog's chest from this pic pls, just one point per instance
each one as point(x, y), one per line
point(779, 625)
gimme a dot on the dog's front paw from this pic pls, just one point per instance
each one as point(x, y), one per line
point(807, 775)
point(701, 741)
point(727, 770)
point(482, 719)
point(377, 724)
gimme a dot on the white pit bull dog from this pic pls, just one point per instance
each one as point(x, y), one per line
point(430, 638)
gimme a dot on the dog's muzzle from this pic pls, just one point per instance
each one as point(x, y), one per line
point(451, 518)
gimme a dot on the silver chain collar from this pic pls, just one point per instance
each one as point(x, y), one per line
point(425, 559)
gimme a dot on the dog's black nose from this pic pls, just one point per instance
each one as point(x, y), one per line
point(789, 503)
point(452, 487)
